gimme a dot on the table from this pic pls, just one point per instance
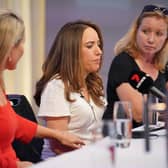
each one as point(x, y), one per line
point(98, 155)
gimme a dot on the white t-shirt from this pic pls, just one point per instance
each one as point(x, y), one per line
point(83, 115)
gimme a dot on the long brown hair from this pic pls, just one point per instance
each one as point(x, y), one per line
point(64, 62)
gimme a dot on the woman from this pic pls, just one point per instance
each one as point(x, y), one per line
point(145, 48)
point(70, 91)
point(12, 37)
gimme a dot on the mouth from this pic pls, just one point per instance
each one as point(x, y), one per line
point(149, 47)
point(96, 61)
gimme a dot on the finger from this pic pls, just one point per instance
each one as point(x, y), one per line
point(77, 146)
point(81, 142)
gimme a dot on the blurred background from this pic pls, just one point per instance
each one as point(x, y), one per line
point(43, 19)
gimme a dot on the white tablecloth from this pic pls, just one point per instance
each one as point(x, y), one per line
point(98, 156)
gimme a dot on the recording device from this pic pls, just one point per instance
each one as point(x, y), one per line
point(144, 84)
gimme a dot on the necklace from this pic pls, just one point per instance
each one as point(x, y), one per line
point(87, 100)
point(84, 93)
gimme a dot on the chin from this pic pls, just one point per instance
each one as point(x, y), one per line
point(11, 68)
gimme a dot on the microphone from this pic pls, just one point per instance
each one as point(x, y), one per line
point(143, 83)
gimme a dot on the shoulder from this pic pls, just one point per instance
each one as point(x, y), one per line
point(55, 83)
point(53, 86)
point(123, 61)
point(121, 68)
point(123, 58)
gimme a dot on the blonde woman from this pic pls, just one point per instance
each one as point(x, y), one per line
point(145, 48)
point(12, 38)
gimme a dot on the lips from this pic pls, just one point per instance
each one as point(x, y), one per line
point(149, 47)
point(96, 61)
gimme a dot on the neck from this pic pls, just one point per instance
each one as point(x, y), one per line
point(147, 58)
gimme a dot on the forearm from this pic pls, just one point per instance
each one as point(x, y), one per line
point(59, 148)
point(127, 93)
point(63, 137)
point(44, 132)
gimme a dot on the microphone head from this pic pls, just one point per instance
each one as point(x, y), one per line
point(141, 81)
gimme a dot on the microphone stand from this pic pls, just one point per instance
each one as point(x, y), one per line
point(146, 123)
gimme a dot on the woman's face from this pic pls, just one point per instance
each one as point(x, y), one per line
point(90, 51)
point(15, 55)
point(151, 35)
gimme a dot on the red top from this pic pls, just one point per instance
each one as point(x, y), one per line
point(13, 126)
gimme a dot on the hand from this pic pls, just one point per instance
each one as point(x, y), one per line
point(71, 140)
point(23, 164)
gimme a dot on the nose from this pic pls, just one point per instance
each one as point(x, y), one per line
point(98, 50)
point(151, 38)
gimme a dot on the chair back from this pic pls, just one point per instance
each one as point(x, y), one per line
point(32, 151)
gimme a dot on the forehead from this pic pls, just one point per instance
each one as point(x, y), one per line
point(154, 22)
point(90, 33)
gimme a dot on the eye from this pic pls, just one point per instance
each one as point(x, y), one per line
point(159, 33)
point(89, 45)
point(145, 31)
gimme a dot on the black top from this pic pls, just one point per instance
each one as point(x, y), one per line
point(120, 70)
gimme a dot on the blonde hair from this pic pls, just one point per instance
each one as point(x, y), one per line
point(128, 42)
point(12, 31)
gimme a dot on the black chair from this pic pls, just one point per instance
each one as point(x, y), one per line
point(32, 151)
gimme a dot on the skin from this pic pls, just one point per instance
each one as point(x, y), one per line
point(150, 38)
point(91, 55)
point(14, 56)
point(91, 51)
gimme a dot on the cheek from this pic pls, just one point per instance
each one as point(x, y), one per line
point(161, 43)
point(85, 63)
point(139, 38)
point(85, 58)
point(21, 51)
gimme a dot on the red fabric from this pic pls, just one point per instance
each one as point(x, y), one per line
point(6, 161)
point(13, 126)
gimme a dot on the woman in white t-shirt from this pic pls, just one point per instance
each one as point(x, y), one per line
point(70, 91)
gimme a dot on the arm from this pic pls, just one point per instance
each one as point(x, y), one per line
point(60, 136)
point(67, 140)
point(60, 123)
point(23, 164)
point(127, 93)
point(7, 161)
point(54, 109)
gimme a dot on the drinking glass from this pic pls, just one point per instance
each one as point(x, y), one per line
point(105, 128)
point(96, 131)
point(122, 115)
point(102, 129)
